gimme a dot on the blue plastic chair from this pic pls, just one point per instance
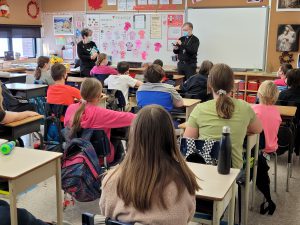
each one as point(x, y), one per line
point(163, 99)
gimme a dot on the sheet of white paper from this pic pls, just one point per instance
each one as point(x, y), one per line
point(164, 2)
point(155, 27)
point(142, 2)
point(177, 2)
point(174, 32)
point(152, 2)
point(122, 5)
point(130, 5)
point(111, 2)
point(139, 21)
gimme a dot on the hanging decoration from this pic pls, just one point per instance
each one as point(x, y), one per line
point(286, 57)
point(33, 6)
point(95, 4)
point(4, 9)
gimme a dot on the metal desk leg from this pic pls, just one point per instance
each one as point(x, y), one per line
point(13, 203)
point(58, 193)
point(232, 205)
point(255, 172)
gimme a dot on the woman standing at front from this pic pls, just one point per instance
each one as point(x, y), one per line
point(87, 52)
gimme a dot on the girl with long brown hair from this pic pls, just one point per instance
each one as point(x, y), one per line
point(102, 67)
point(87, 114)
point(42, 70)
point(153, 184)
point(207, 119)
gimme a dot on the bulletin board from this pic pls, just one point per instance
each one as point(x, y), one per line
point(136, 37)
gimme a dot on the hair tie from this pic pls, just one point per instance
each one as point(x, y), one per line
point(83, 101)
point(221, 92)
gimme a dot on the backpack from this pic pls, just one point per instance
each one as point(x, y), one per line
point(115, 100)
point(81, 171)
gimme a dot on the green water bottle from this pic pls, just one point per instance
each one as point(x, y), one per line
point(7, 147)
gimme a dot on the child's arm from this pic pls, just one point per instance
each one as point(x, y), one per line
point(16, 116)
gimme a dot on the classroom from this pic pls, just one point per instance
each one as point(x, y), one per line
point(149, 112)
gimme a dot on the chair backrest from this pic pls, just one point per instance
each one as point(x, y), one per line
point(115, 100)
point(101, 77)
point(55, 109)
point(38, 82)
point(163, 99)
point(285, 139)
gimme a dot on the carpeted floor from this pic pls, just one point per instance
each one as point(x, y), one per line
point(40, 200)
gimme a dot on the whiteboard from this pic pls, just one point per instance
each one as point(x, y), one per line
point(235, 36)
point(134, 43)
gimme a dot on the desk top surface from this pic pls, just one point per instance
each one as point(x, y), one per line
point(24, 87)
point(24, 121)
point(288, 111)
point(16, 69)
point(214, 186)
point(12, 75)
point(21, 161)
point(75, 79)
point(189, 102)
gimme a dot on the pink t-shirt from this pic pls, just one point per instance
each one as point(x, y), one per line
point(103, 70)
point(280, 82)
point(270, 118)
point(99, 118)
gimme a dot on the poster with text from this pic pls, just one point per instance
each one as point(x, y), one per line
point(155, 27)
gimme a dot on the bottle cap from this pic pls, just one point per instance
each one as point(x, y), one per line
point(226, 129)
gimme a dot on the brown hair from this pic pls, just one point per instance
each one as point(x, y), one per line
point(293, 78)
point(268, 92)
point(285, 67)
point(58, 71)
point(123, 67)
point(205, 67)
point(154, 73)
point(41, 61)
point(1, 98)
point(100, 58)
point(91, 88)
point(188, 24)
point(152, 162)
point(221, 82)
point(158, 62)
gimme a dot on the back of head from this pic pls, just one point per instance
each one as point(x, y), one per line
point(90, 89)
point(293, 78)
point(153, 160)
point(41, 62)
point(123, 67)
point(100, 58)
point(205, 67)
point(285, 67)
point(158, 62)
point(268, 92)
point(58, 71)
point(221, 82)
point(154, 73)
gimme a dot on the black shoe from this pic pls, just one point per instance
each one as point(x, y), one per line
point(271, 207)
point(263, 210)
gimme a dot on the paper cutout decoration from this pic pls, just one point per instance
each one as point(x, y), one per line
point(4, 9)
point(123, 54)
point(132, 35)
point(105, 46)
point(144, 55)
point(138, 44)
point(114, 53)
point(127, 26)
point(95, 4)
point(148, 45)
point(129, 46)
point(135, 53)
point(121, 44)
point(142, 34)
point(157, 46)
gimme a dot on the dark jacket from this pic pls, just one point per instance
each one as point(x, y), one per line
point(290, 95)
point(84, 54)
point(196, 85)
point(188, 50)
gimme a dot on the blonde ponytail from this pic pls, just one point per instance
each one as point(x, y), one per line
point(76, 125)
point(224, 107)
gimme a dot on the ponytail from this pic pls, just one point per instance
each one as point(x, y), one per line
point(37, 73)
point(224, 106)
point(76, 126)
point(1, 97)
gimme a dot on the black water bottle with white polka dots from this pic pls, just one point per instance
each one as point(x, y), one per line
point(224, 160)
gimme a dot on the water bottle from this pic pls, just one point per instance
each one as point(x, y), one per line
point(224, 160)
point(7, 147)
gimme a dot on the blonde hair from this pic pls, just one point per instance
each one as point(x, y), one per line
point(268, 92)
point(100, 58)
point(90, 89)
point(1, 97)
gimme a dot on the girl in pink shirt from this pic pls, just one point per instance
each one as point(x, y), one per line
point(87, 113)
point(101, 66)
point(270, 118)
point(283, 69)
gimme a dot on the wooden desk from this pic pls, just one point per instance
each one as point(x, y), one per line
point(179, 79)
point(13, 78)
point(167, 69)
point(14, 130)
point(77, 80)
point(190, 104)
point(22, 174)
point(29, 90)
point(14, 70)
point(218, 188)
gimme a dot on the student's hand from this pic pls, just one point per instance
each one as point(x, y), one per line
point(178, 42)
point(94, 56)
point(31, 113)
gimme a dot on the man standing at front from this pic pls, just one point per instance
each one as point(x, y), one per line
point(186, 48)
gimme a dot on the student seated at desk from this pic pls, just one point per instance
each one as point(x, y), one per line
point(283, 69)
point(87, 114)
point(42, 73)
point(197, 85)
point(102, 67)
point(270, 117)
point(122, 81)
point(208, 118)
point(292, 94)
point(153, 184)
point(156, 92)
point(158, 62)
point(60, 93)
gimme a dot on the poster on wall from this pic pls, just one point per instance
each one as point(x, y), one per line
point(155, 27)
point(93, 23)
point(174, 23)
point(63, 25)
point(288, 5)
point(288, 38)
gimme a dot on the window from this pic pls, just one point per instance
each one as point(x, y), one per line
point(25, 46)
point(3, 46)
